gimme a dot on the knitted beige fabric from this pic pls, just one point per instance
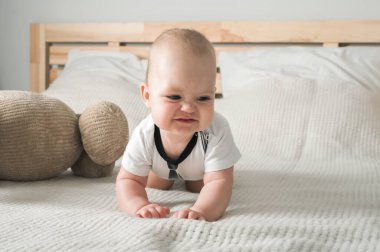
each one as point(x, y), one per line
point(85, 167)
point(104, 130)
point(39, 136)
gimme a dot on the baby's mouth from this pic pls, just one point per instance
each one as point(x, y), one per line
point(185, 120)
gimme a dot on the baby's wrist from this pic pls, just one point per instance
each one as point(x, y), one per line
point(136, 205)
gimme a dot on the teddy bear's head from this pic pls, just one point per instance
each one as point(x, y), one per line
point(104, 132)
point(40, 137)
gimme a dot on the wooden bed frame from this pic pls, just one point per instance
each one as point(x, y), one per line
point(50, 43)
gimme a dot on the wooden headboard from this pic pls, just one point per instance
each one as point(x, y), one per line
point(50, 43)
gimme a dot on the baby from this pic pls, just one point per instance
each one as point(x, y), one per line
point(182, 138)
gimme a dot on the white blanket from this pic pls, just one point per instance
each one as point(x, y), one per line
point(300, 186)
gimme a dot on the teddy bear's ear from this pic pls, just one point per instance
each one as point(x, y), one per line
point(104, 131)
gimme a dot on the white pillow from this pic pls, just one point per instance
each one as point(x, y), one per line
point(357, 64)
point(90, 77)
point(294, 119)
point(125, 65)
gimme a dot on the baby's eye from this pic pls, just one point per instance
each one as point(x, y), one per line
point(173, 97)
point(203, 98)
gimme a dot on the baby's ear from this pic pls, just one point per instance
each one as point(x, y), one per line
point(145, 93)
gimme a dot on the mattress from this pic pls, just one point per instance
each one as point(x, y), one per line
point(299, 186)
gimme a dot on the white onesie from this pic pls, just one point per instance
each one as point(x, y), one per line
point(210, 150)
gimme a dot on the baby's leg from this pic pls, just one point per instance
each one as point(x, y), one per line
point(156, 182)
point(194, 186)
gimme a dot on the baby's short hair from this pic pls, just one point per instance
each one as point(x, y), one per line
point(188, 38)
point(191, 40)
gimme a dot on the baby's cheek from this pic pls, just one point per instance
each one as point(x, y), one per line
point(207, 119)
point(160, 119)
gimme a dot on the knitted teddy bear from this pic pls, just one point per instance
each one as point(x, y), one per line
point(40, 137)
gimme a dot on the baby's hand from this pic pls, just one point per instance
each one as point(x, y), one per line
point(152, 211)
point(189, 214)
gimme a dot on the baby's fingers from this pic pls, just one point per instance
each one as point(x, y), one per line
point(162, 211)
point(144, 213)
point(188, 214)
point(182, 214)
point(195, 216)
point(152, 211)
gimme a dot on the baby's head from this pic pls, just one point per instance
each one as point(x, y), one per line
point(180, 83)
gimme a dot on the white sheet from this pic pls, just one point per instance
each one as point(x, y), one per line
point(292, 193)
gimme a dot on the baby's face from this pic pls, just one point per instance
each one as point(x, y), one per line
point(181, 91)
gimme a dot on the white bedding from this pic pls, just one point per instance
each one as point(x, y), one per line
point(356, 64)
point(299, 186)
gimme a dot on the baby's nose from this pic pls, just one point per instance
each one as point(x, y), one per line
point(187, 107)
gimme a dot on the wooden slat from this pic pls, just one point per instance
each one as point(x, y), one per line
point(58, 53)
point(113, 44)
point(363, 31)
point(218, 85)
point(330, 44)
point(303, 32)
point(90, 32)
point(212, 30)
point(123, 32)
point(38, 64)
point(54, 73)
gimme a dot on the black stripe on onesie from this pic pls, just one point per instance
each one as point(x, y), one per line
point(173, 164)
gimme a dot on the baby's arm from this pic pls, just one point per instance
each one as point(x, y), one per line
point(132, 197)
point(213, 198)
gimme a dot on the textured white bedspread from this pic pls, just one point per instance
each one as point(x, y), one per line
point(296, 188)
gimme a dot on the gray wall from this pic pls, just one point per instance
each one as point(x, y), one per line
point(16, 15)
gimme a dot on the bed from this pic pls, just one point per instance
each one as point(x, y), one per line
point(302, 99)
